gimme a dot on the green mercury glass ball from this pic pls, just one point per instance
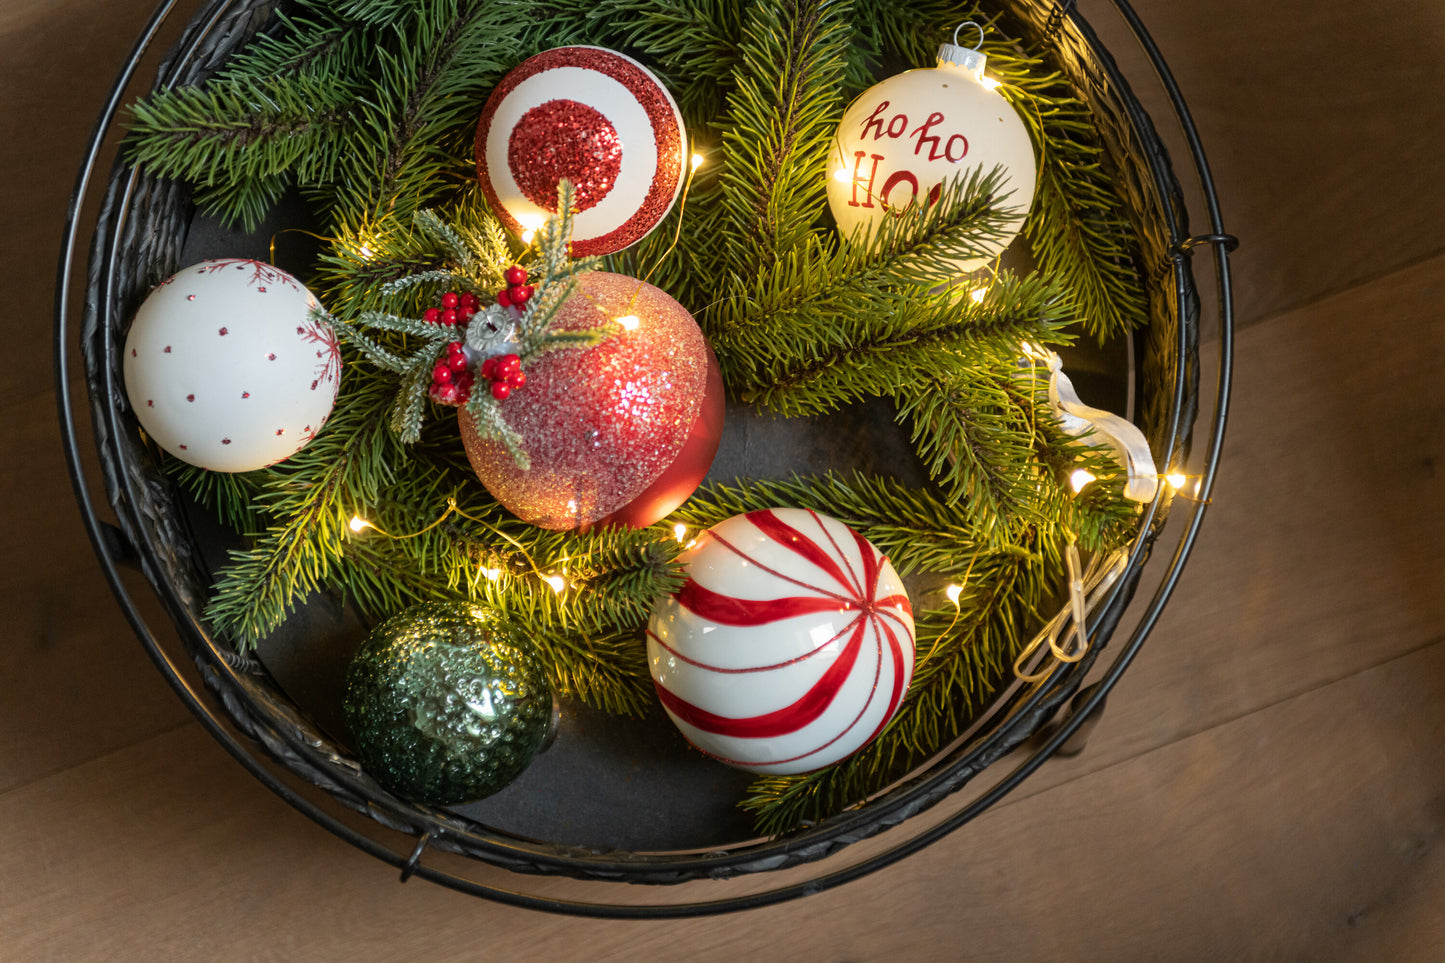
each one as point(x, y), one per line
point(447, 703)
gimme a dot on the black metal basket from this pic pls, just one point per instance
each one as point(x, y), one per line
point(140, 234)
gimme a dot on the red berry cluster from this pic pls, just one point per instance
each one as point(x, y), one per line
point(517, 292)
point(505, 373)
point(456, 309)
point(451, 379)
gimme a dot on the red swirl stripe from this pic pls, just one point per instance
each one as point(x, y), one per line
point(749, 668)
point(859, 595)
point(895, 649)
point(795, 541)
point(779, 722)
point(727, 610)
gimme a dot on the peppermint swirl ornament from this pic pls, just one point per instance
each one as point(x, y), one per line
point(789, 647)
point(597, 118)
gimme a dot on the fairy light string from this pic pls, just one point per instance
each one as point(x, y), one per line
point(555, 581)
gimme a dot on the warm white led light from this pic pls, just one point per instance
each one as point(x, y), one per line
point(1080, 478)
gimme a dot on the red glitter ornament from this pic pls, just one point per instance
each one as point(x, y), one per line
point(619, 433)
point(597, 118)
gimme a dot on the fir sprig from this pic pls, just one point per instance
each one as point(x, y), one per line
point(783, 110)
point(914, 527)
point(244, 130)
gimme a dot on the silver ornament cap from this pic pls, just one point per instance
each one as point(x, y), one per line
point(965, 58)
point(970, 59)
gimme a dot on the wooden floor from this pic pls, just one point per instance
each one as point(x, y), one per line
point(1268, 782)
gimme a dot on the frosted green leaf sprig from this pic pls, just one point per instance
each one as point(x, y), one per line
point(417, 350)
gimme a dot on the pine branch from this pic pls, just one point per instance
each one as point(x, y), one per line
point(694, 46)
point(393, 266)
point(248, 130)
point(783, 111)
point(914, 527)
point(319, 42)
point(1076, 229)
point(229, 494)
point(948, 338)
point(412, 140)
point(369, 106)
point(824, 299)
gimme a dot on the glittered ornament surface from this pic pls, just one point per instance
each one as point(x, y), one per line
point(602, 424)
point(597, 118)
point(789, 647)
point(226, 368)
point(447, 703)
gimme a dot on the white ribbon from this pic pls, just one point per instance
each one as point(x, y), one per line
point(1078, 419)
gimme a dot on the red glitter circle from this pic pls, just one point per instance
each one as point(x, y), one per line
point(564, 138)
point(656, 197)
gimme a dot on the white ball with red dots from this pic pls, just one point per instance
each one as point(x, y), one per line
point(597, 118)
point(227, 369)
point(788, 648)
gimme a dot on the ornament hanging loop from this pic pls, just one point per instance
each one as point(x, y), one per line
point(970, 59)
point(975, 25)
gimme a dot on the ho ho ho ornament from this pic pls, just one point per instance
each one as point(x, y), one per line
point(789, 647)
point(597, 118)
point(227, 367)
point(906, 137)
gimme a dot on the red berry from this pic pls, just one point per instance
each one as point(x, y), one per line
point(447, 394)
point(464, 314)
point(520, 294)
point(507, 365)
point(432, 316)
point(458, 362)
point(517, 379)
point(450, 299)
point(504, 299)
point(500, 390)
point(489, 368)
point(455, 347)
point(468, 301)
point(449, 317)
point(441, 374)
point(515, 275)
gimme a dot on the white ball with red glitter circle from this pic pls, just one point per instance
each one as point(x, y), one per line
point(227, 369)
point(789, 647)
point(597, 118)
